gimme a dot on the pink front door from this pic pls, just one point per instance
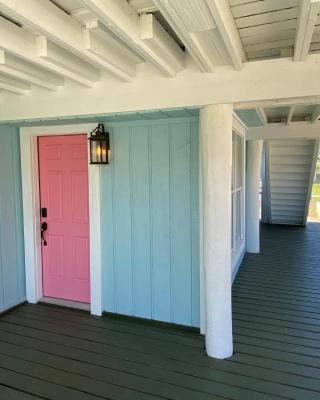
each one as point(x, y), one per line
point(63, 172)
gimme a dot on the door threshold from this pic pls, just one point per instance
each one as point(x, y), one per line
point(65, 303)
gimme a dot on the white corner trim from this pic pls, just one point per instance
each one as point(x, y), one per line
point(31, 214)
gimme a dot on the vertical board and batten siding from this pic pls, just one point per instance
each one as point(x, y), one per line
point(150, 221)
point(12, 274)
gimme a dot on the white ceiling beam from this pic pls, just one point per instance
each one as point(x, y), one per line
point(44, 17)
point(316, 114)
point(308, 11)
point(264, 83)
point(277, 102)
point(100, 42)
point(262, 115)
point(296, 130)
point(13, 85)
point(158, 41)
point(143, 6)
point(195, 28)
point(24, 45)
point(83, 15)
point(290, 115)
point(25, 71)
point(224, 20)
point(56, 55)
point(122, 20)
point(207, 29)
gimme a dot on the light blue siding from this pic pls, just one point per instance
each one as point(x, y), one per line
point(150, 221)
point(12, 275)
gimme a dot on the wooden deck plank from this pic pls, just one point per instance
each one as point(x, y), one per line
point(47, 352)
point(8, 393)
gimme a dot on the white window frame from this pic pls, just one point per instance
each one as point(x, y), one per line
point(31, 213)
point(238, 245)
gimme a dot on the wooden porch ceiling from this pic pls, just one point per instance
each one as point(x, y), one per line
point(45, 43)
point(52, 353)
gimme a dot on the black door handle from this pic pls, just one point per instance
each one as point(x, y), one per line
point(44, 227)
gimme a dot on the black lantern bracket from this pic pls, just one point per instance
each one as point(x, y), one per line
point(99, 146)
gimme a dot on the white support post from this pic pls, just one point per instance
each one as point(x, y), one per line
point(253, 173)
point(216, 149)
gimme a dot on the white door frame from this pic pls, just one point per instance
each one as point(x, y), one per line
point(31, 213)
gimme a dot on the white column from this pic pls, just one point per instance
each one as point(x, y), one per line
point(253, 174)
point(216, 150)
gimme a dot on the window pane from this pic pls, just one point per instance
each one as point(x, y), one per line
point(239, 162)
point(233, 221)
point(239, 216)
point(233, 161)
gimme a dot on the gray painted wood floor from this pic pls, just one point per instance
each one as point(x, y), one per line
point(48, 352)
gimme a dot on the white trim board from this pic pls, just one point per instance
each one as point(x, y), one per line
point(296, 130)
point(31, 215)
point(271, 80)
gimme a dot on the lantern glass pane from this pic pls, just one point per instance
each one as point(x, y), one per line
point(104, 152)
point(95, 151)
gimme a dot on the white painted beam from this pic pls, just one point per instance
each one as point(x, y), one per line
point(279, 102)
point(83, 15)
point(56, 55)
point(296, 130)
point(262, 115)
point(122, 20)
point(24, 45)
point(224, 20)
point(207, 29)
point(25, 71)
point(308, 11)
point(158, 41)
point(13, 85)
point(290, 115)
point(100, 43)
point(316, 114)
point(259, 83)
point(143, 6)
point(44, 17)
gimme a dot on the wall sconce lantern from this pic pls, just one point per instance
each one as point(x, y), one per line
point(99, 146)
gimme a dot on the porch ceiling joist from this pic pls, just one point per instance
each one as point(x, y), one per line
point(262, 115)
point(207, 29)
point(143, 6)
point(100, 43)
point(25, 71)
point(56, 55)
point(44, 17)
point(122, 20)
point(158, 41)
point(24, 45)
point(13, 85)
point(296, 130)
point(308, 11)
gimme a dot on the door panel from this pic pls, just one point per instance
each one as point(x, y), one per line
point(63, 171)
